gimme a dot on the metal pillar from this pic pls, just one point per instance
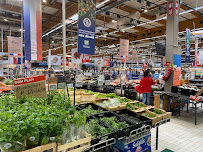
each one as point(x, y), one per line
point(49, 59)
point(172, 29)
point(21, 69)
point(2, 48)
point(64, 32)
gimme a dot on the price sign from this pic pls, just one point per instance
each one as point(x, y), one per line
point(52, 87)
point(61, 85)
point(70, 85)
point(192, 76)
point(123, 77)
point(107, 82)
point(79, 84)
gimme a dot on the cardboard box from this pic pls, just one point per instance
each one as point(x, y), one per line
point(140, 145)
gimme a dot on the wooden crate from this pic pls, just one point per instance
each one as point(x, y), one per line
point(87, 97)
point(80, 144)
point(157, 118)
point(165, 115)
point(52, 146)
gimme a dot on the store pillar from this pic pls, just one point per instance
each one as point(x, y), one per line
point(172, 29)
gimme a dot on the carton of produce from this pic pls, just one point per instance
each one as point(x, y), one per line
point(162, 113)
point(154, 117)
point(134, 108)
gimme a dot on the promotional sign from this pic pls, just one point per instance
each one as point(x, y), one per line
point(61, 80)
point(176, 74)
point(98, 62)
point(52, 83)
point(177, 60)
point(14, 46)
point(106, 63)
point(79, 80)
point(33, 29)
point(100, 80)
point(198, 60)
point(145, 65)
point(187, 46)
point(55, 60)
point(32, 86)
point(67, 61)
point(201, 57)
point(176, 11)
point(86, 26)
point(85, 58)
point(76, 57)
point(134, 56)
point(124, 48)
point(167, 64)
point(170, 8)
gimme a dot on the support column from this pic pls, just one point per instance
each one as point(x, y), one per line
point(2, 49)
point(172, 29)
point(49, 59)
point(64, 32)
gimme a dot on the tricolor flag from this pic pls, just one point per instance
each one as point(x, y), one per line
point(33, 29)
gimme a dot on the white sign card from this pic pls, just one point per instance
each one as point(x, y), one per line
point(14, 45)
point(108, 82)
point(123, 77)
point(79, 80)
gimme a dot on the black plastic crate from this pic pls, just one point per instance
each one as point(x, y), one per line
point(133, 117)
point(103, 137)
point(94, 106)
point(123, 132)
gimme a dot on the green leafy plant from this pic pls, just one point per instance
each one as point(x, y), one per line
point(130, 107)
point(140, 105)
point(157, 111)
point(147, 115)
point(8, 82)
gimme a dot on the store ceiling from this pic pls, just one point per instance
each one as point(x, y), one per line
point(129, 13)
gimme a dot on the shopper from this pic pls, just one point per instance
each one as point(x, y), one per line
point(200, 92)
point(130, 74)
point(145, 85)
point(183, 80)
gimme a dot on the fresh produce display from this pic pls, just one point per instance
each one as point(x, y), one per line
point(140, 105)
point(88, 92)
point(111, 103)
point(99, 95)
point(147, 115)
point(135, 120)
point(111, 95)
point(114, 122)
point(158, 111)
point(31, 122)
point(89, 111)
point(130, 107)
point(123, 100)
point(8, 82)
point(95, 129)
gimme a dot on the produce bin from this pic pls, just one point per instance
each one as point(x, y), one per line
point(133, 117)
point(165, 114)
point(94, 106)
point(43, 148)
point(122, 132)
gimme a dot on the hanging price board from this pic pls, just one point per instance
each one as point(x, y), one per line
point(100, 80)
point(79, 84)
point(61, 85)
point(79, 80)
point(107, 82)
point(52, 87)
point(70, 85)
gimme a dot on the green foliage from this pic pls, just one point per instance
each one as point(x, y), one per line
point(114, 122)
point(158, 111)
point(88, 92)
point(111, 95)
point(147, 115)
point(8, 82)
point(130, 107)
point(140, 105)
point(33, 117)
point(123, 100)
point(98, 95)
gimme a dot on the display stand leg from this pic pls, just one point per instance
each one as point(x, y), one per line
point(121, 90)
point(195, 114)
point(187, 105)
point(157, 137)
point(74, 93)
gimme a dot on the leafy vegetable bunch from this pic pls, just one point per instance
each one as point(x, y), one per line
point(8, 82)
point(140, 105)
point(33, 121)
point(147, 115)
point(158, 111)
point(114, 122)
point(130, 107)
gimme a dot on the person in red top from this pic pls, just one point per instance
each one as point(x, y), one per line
point(145, 84)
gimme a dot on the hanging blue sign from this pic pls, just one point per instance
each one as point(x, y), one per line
point(86, 26)
point(187, 46)
point(177, 60)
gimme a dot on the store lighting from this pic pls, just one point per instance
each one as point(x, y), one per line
point(5, 19)
point(114, 21)
point(52, 41)
point(44, 1)
point(145, 10)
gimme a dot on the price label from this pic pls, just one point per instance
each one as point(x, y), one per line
point(52, 87)
point(70, 85)
point(61, 85)
point(100, 77)
point(79, 83)
point(123, 76)
point(100, 83)
point(107, 82)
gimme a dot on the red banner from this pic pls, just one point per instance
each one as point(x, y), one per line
point(67, 61)
point(170, 8)
point(106, 62)
point(28, 80)
point(85, 58)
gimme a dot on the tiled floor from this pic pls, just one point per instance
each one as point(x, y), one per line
point(181, 135)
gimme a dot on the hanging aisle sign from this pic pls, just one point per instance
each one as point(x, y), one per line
point(33, 29)
point(86, 26)
point(14, 46)
point(187, 46)
point(124, 48)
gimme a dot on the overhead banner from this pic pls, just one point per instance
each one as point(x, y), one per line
point(86, 26)
point(106, 63)
point(177, 60)
point(85, 58)
point(187, 46)
point(124, 48)
point(58, 60)
point(76, 57)
point(98, 62)
point(134, 56)
point(33, 29)
point(200, 58)
point(14, 46)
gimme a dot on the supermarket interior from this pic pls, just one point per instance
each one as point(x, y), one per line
point(101, 75)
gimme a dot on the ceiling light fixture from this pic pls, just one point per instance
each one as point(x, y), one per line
point(114, 21)
point(145, 10)
point(44, 1)
point(5, 19)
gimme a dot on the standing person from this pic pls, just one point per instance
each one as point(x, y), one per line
point(183, 81)
point(145, 84)
point(130, 74)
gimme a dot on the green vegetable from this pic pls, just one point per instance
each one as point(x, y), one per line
point(147, 115)
point(88, 111)
point(88, 92)
point(98, 95)
point(130, 107)
point(158, 111)
point(111, 95)
point(114, 122)
point(123, 100)
point(140, 105)
point(8, 82)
